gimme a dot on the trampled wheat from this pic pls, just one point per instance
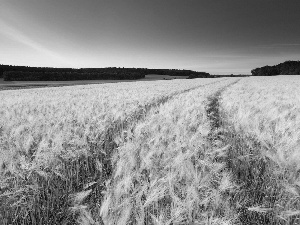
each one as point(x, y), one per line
point(166, 171)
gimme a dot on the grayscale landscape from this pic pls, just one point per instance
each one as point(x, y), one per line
point(128, 112)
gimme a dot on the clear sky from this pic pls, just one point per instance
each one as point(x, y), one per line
point(216, 36)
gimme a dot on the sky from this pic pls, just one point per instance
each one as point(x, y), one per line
point(215, 36)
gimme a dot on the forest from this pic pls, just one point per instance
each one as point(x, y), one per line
point(68, 76)
point(25, 73)
point(286, 68)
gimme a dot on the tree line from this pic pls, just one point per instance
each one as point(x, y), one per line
point(24, 73)
point(68, 76)
point(285, 68)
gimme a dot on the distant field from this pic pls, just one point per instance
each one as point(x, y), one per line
point(12, 85)
point(202, 151)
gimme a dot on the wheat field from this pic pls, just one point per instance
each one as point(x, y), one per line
point(265, 114)
point(203, 151)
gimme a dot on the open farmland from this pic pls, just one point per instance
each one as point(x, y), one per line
point(203, 151)
point(54, 141)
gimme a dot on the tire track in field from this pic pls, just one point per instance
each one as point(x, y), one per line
point(214, 88)
point(214, 115)
point(218, 135)
point(251, 182)
point(221, 137)
point(103, 150)
point(118, 126)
